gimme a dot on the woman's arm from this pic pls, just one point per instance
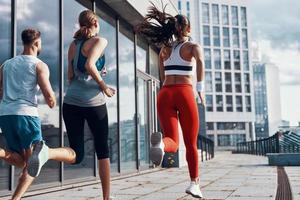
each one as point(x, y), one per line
point(71, 54)
point(161, 65)
point(94, 54)
point(198, 55)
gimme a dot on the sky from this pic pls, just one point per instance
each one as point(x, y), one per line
point(275, 26)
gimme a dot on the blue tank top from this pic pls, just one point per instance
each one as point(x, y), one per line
point(81, 60)
point(83, 89)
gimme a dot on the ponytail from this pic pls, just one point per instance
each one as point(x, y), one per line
point(83, 33)
point(86, 21)
point(158, 26)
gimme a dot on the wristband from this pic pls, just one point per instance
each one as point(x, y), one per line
point(200, 86)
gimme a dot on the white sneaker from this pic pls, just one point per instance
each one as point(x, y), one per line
point(157, 148)
point(39, 157)
point(194, 190)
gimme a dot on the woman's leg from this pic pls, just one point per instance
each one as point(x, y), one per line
point(104, 173)
point(189, 121)
point(168, 119)
point(74, 121)
point(97, 120)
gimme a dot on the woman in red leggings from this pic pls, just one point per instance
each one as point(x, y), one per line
point(176, 100)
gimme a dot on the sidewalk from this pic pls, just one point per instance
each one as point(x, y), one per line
point(228, 176)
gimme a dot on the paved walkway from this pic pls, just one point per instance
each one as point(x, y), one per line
point(228, 176)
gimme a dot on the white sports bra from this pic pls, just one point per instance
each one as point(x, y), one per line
point(175, 64)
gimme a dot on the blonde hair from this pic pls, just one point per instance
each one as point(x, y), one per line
point(86, 20)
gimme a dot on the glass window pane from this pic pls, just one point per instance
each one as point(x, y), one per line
point(237, 59)
point(225, 15)
point(239, 103)
point(229, 104)
point(245, 39)
point(228, 82)
point(226, 37)
point(234, 15)
point(219, 103)
point(217, 58)
point(209, 103)
point(235, 38)
point(238, 83)
point(141, 57)
point(108, 31)
point(208, 82)
point(153, 64)
point(205, 13)
point(207, 58)
point(206, 36)
point(143, 122)
point(127, 110)
point(227, 59)
point(5, 43)
point(215, 13)
point(243, 16)
point(246, 60)
point(216, 36)
point(218, 81)
point(47, 21)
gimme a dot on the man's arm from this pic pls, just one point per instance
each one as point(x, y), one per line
point(44, 83)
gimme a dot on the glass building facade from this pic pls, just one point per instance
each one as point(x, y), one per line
point(132, 69)
point(261, 102)
point(223, 35)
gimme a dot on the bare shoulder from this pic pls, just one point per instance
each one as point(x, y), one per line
point(41, 67)
point(99, 40)
point(165, 51)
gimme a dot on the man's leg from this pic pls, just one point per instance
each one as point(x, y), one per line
point(12, 158)
point(25, 180)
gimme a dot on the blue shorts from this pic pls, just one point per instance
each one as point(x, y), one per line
point(20, 132)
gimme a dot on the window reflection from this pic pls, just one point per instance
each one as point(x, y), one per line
point(127, 103)
point(5, 30)
point(109, 32)
point(33, 14)
point(86, 167)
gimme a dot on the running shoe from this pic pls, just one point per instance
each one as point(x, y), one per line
point(194, 190)
point(39, 157)
point(157, 148)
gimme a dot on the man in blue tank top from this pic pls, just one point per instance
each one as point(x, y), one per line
point(20, 80)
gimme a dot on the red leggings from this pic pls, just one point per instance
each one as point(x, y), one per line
point(177, 102)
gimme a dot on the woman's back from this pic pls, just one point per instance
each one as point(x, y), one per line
point(180, 55)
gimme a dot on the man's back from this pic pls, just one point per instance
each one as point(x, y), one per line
point(20, 86)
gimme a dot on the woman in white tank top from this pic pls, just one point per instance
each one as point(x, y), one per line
point(176, 101)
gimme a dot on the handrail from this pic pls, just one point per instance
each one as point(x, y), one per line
point(281, 142)
point(206, 146)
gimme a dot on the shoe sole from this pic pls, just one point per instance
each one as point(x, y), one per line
point(156, 155)
point(195, 196)
point(34, 161)
point(156, 138)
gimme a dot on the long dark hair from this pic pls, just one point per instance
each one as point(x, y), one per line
point(159, 27)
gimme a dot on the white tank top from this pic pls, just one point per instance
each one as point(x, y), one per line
point(175, 64)
point(20, 87)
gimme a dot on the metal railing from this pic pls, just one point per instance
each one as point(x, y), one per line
point(281, 142)
point(207, 148)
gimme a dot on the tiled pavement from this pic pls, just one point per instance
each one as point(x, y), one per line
point(228, 176)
